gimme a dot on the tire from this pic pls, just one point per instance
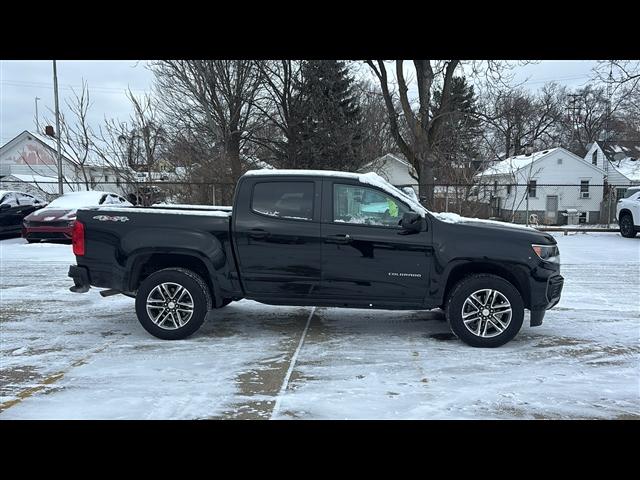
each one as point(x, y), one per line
point(470, 293)
point(179, 314)
point(627, 229)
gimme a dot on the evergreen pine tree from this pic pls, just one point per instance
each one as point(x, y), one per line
point(328, 121)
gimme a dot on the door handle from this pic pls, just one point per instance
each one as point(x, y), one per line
point(340, 239)
point(258, 233)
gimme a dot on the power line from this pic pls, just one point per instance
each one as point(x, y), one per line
point(99, 89)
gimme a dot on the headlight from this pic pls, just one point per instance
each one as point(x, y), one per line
point(548, 253)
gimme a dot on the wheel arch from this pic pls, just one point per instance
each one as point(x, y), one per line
point(625, 211)
point(462, 270)
point(143, 263)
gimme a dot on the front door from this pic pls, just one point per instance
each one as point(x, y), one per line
point(367, 258)
point(551, 214)
point(278, 238)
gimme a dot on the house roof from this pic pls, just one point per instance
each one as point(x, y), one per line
point(620, 150)
point(512, 164)
point(629, 167)
point(51, 144)
point(46, 184)
point(392, 156)
point(624, 156)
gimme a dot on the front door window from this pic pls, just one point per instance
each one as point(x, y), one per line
point(362, 205)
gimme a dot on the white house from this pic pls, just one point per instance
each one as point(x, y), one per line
point(620, 162)
point(558, 180)
point(28, 162)
point(394, 169)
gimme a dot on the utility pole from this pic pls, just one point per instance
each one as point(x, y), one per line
point(55, 93)
point(37, 119)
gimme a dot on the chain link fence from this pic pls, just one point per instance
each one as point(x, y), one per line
point(533, 203)
point(537, 204)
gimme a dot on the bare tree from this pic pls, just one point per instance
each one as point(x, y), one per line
point(134, 149)
point(515, 118)
point(278, 102)
point(215, 99)
point(75, 141)
point(422, 120)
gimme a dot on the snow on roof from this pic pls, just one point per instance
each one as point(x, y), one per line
point(512, 164)
point(614, 150)
point(369, 178)
point(46, 184)
point(392, 156)
point(88, 198)
point(629, 167)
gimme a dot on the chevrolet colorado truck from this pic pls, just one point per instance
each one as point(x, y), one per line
point(317, 238)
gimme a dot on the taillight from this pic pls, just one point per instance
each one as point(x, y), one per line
point(77, 238)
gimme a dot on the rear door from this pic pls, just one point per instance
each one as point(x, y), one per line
point(277, 236)
point(366, 256)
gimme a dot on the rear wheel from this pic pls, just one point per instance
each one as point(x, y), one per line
point(485, 310)
point(627, 229)
point(172, 303)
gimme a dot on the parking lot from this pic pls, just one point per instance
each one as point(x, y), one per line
point(66, 355)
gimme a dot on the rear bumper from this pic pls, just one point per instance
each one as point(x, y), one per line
point(80, 276)
point(47, 233)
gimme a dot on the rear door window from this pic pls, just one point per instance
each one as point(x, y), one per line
point(287, 200)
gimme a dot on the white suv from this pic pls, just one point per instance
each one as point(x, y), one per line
point(628, 212)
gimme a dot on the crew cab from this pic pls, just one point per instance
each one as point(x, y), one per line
point(317, 238)
point(628, 212)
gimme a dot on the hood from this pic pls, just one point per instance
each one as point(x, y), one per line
point(500, 229)
point(52, 214)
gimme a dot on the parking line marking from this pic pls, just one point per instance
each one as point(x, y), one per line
point(53, 378)
point(294, 358)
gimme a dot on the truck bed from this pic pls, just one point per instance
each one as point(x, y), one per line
point(120, 240)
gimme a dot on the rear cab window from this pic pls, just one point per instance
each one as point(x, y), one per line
point(292, 200)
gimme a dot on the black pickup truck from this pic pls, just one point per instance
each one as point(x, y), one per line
point(297, 237)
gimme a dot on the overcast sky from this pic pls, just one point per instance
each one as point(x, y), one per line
point(22, 81)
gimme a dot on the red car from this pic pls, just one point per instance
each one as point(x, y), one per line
point(55, 222)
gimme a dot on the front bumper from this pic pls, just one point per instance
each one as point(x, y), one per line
point(80, 277)
point(552, 294)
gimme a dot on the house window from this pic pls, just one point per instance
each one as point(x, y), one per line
point(594, 158)
point(106, 178)
point(508, 189)
point(532, 188)
point(495, 186)
point(559, 161)
point(584, 189)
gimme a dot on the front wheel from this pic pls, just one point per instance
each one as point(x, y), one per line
point(627, 229)
point(485, 310)
point(172, 303)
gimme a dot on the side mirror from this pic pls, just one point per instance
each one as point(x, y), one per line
point(4, 206)
point(411, 223)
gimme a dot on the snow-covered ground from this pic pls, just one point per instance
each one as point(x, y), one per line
point(65, 355)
